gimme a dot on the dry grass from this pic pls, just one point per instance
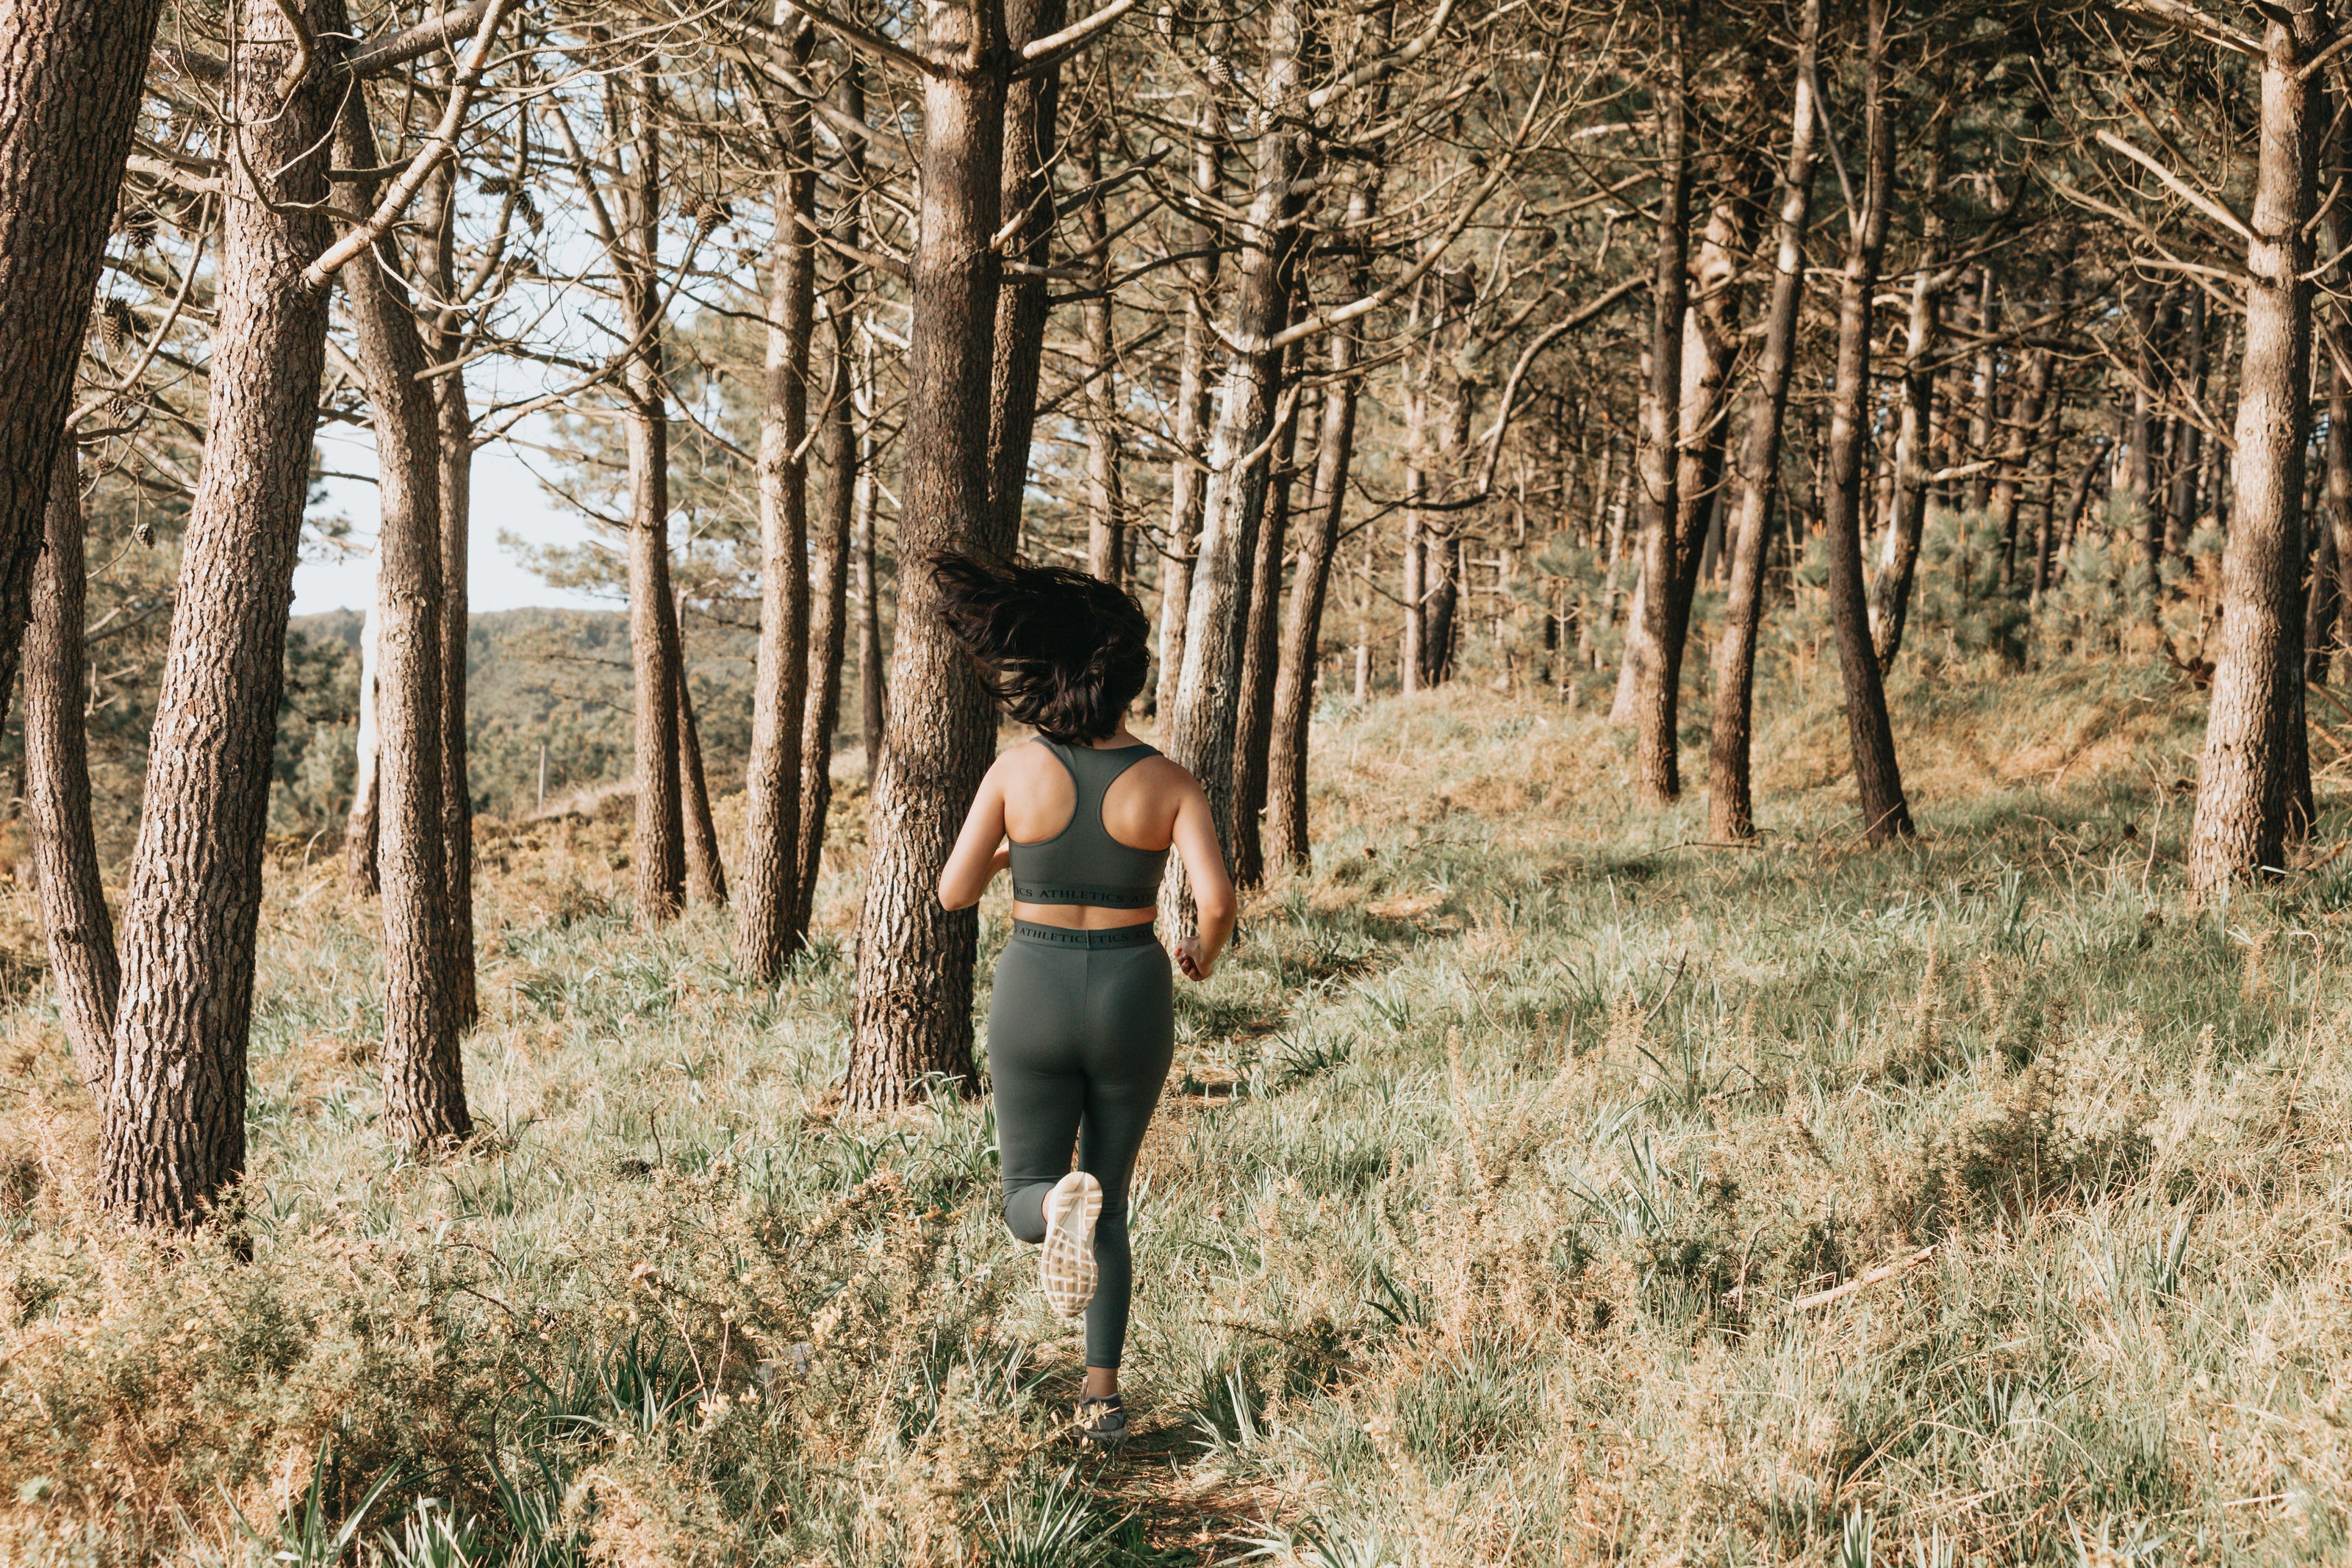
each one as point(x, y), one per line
point(1492, 1165)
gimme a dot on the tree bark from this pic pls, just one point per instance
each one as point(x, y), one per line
point(1877, 778)
point(1653, 643)
point(913, 1007)
point(1105, 527)
point(1302, 628)
point(362, 876)
point(424, 1074)
point(1890, 599)
point(1188, 479)
point(657, 839)
point(174, 1124)
point(1201, 732)
point(1031, 105)
point(71, 77)
point(706, 868)
point(1730, 808)
point(829, 597)
point(455, 417)
point(1254, 710)
point(768, 870)
point(1984, 403)
point(74, 914)
point(2246, 779)
point(2188, 473)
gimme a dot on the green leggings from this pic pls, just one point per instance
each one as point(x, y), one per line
point(1081, 1028)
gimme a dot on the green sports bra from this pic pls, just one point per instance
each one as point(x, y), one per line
point(1083, 863)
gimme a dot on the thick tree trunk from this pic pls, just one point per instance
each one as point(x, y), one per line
point(423, 1075)
point(1730, 810)
point(1188, 479)
point(1877, 778)
point(57, 787)
point(2246, 781)
point(1031, 105)
point(1653, 643)
point(706, 868)
point(1890, 599)
point(1201, 729)
point(174, 1134)
point(1253, 712)
point(70, 75)
point(913, 1007)
point(361, 873)
point(769, 870)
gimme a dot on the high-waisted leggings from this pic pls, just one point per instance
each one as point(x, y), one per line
point(1080, 1032)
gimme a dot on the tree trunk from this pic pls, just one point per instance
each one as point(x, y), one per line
point(1877, 778)
point(455, 417)
point(1032, 105)
point(1984, 407)
point(423, 1075)
point(361, 873)
point(1302, 628)
point(1188, 480)
point(57, 787)
point(768, 870)
point(869, 606)
point(913, 1007)
point(2187, 472)
point(174, 1135)
point(1730, 810)
point(1106, 531)
point(829, 596)
point(706, 868)
point(2024, 425)
point(2138, 465)
point(2246, 783)
point(1412, 568)
point(2338, 492)
point(1201, 732)
point(71, 77)
point(1254, 711)
point(1890, 600)
point(1654, 643)
point(657, 841)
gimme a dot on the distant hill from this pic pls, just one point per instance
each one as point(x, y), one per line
point(553, 678)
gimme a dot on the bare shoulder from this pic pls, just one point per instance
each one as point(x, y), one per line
point(1162, 774)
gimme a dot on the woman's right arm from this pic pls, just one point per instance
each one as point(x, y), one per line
point(978, 854)
point(1213, 902)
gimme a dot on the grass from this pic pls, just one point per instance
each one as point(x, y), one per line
point(1495, 1161)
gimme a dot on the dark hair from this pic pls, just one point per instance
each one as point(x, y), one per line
point(1060, 650)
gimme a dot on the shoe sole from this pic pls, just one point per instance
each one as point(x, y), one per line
point(1067, 1269)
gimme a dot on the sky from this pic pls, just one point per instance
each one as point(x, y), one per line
point(506, 498)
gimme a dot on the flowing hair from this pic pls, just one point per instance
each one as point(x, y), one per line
point(1061, 652)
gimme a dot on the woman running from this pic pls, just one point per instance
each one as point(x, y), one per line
point(1080, 1025)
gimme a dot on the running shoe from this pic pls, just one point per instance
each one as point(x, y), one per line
point(1067, 1269)
point(1102, 1420)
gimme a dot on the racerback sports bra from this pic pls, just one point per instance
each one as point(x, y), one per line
point(1083, 863)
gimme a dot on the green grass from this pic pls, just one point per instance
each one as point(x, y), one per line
point(1493, 1160)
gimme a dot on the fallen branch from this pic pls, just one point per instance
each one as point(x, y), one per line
point(1883, 1271)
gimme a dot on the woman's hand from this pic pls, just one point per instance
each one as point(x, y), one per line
point(1196, 962)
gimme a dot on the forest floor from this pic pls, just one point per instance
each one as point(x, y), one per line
point(1536, 1184)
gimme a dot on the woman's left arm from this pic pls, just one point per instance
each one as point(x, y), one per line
point(981, 851)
